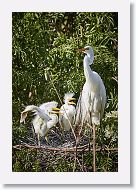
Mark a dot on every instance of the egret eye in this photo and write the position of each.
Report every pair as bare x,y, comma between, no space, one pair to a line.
87,48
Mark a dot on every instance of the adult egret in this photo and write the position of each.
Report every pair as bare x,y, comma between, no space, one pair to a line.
45,118
68,111
91,103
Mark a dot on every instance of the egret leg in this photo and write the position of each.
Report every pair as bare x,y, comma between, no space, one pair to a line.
94,148
63,136
34,135
90,135
62,133
46,135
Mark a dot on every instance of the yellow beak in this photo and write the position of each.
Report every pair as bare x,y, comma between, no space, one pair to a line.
70,99
55,109
72,103
81,50
55,112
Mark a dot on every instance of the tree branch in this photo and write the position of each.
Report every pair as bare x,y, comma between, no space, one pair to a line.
73,149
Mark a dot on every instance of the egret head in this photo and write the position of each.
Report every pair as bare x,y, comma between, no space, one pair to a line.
23,117
88,50
68,98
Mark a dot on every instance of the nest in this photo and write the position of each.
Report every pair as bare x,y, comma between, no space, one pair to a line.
59,139
62,151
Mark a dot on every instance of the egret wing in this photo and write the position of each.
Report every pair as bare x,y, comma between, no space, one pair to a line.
43,115
47,107
102,97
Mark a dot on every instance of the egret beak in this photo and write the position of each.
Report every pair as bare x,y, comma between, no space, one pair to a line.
70,99
72,103
82,49
55,110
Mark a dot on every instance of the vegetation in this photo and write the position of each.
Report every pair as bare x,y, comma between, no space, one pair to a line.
48,42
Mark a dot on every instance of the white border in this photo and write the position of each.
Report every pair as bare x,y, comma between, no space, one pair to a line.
120,177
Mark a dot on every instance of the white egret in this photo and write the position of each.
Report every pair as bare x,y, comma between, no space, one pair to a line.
68,111
91,103
45,118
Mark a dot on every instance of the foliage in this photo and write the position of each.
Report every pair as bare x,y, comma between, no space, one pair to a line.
49,41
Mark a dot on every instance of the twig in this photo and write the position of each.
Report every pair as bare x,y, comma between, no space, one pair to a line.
75,157
115,78
94,150
81,166
84,168
73,149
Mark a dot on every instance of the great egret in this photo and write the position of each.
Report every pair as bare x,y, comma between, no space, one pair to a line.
46,117
68,111
91,103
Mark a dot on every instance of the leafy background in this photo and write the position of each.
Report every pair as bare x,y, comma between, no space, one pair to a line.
49,41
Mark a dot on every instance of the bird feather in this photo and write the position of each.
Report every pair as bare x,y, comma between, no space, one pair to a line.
47,107
68,95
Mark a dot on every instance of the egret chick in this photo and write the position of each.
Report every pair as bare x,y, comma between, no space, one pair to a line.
67,110
45,118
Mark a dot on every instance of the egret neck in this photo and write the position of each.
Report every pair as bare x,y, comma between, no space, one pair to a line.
87,70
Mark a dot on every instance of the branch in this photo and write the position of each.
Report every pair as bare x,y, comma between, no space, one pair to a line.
73,149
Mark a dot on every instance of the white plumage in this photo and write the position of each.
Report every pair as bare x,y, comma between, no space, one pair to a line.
67,110
92,100
45,118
